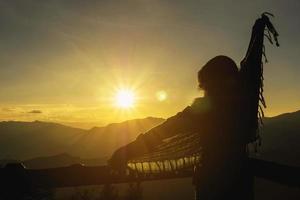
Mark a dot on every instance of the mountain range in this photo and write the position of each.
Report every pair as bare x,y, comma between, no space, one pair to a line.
43,144
28,140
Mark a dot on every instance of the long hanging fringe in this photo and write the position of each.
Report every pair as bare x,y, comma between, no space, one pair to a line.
271,34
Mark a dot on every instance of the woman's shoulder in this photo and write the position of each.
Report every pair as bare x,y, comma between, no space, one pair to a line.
201,105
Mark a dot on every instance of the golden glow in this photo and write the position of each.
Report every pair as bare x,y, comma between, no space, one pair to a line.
96,54
161,95
125,98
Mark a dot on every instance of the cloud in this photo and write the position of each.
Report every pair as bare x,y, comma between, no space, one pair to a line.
7,110
35,112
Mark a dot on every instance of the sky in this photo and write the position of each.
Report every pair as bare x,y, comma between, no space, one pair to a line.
63,61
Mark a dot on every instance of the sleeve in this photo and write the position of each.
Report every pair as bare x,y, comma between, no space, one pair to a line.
145,142
252,75
179,123
251,64
182,122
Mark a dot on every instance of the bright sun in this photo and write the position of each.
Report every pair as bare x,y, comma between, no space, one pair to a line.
125,98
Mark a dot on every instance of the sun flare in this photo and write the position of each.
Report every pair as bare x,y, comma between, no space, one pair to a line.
161,95
125,98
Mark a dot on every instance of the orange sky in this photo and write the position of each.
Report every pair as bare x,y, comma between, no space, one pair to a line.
63,61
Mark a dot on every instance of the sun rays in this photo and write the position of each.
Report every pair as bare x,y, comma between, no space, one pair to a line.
125,98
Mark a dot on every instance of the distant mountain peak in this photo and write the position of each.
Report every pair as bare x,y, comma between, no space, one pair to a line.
39,138
128,121
26,140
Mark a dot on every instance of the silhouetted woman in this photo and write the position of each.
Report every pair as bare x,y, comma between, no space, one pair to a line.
223,122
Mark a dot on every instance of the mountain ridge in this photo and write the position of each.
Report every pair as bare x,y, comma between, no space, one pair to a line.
25,140
29,140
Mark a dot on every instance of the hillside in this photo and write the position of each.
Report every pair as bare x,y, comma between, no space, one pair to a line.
102,141
26,140
281,139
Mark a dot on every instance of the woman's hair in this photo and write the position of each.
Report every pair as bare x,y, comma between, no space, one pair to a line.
219,74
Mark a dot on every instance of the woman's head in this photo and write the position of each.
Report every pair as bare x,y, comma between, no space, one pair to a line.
219,76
